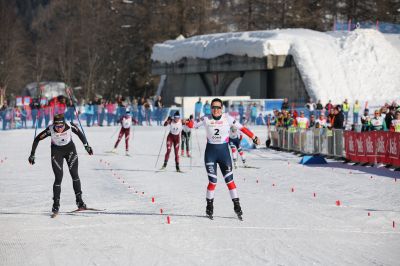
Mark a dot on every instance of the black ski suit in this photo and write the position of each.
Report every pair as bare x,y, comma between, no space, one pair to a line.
61,152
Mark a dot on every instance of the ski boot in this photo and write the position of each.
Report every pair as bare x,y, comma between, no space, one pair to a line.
178,169
114,151
164,166
244,163
210,208
127,153
79,202
55,208
188,154
235,164
237,208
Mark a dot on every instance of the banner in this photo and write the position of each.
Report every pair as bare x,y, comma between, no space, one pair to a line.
373,147
27,100
18,101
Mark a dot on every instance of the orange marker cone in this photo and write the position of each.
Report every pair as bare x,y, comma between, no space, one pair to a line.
152,199
338,203
168,220
161,211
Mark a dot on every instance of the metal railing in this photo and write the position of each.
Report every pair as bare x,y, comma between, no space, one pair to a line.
309,141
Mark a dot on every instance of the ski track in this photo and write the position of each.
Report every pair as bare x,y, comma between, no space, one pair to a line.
280,227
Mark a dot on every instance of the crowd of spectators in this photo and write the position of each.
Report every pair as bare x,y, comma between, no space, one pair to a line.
96,112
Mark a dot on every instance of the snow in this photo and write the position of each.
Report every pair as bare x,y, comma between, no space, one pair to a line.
280,227
360,64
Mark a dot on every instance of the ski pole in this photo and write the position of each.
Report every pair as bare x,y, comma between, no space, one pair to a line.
76,112
162,143
190,150
37,114
198,143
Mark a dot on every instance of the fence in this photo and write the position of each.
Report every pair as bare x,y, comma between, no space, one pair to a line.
312,141
373,147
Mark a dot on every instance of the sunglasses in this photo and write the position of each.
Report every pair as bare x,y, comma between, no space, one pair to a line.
216,107
59,125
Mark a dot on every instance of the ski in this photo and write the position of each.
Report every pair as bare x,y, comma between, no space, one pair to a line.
209,216
240,217
87,209
54,215
249,166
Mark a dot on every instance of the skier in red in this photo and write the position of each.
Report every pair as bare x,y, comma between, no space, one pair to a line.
173,139
126,123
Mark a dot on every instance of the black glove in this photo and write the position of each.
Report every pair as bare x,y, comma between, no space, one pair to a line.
256,140
89,149
31,159
169,118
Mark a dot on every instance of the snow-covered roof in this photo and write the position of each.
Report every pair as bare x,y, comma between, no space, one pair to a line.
360,64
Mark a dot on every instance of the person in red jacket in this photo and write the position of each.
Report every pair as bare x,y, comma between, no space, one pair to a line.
186,134
175,129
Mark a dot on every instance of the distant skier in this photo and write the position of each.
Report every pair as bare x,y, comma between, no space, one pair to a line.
126,123
186,135
175,128
217,152
235,137
62,147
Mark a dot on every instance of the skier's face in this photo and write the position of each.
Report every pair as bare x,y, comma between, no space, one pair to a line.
216,109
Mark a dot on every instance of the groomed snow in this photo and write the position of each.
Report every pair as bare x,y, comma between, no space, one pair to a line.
280,227
360,64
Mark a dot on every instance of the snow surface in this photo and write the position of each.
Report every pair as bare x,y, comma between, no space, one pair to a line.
360,64
280,227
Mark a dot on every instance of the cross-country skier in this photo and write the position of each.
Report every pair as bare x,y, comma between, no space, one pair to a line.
62,147
126,123
235,137
217,152
175,128
186,134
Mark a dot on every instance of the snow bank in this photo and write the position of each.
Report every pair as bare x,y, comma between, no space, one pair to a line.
360,64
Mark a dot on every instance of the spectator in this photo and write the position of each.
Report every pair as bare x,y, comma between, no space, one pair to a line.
241,112
35,105
302,121
338,119
345,108
378,122
89,113
158,110
312,121
321,121
46,112
390,116
365,121
140,111
328,108
207,109
260,120
356,110
285,104
96,113
288,121
5,115
395,123
311,106
253,113
24,115
147,112
319,108
197,109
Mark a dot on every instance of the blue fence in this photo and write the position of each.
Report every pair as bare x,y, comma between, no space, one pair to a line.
381,26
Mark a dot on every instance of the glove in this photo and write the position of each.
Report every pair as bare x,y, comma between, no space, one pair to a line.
169,118
89,149
256,140
31,159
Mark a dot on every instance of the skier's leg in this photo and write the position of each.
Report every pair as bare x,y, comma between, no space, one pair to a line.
121,133
187,143
241,153
169,146
176,150
72,161
183,138
57,165
127,135
211,168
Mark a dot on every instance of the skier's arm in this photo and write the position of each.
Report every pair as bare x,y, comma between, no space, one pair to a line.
244,129
42,135
199,122
76,130
168,121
